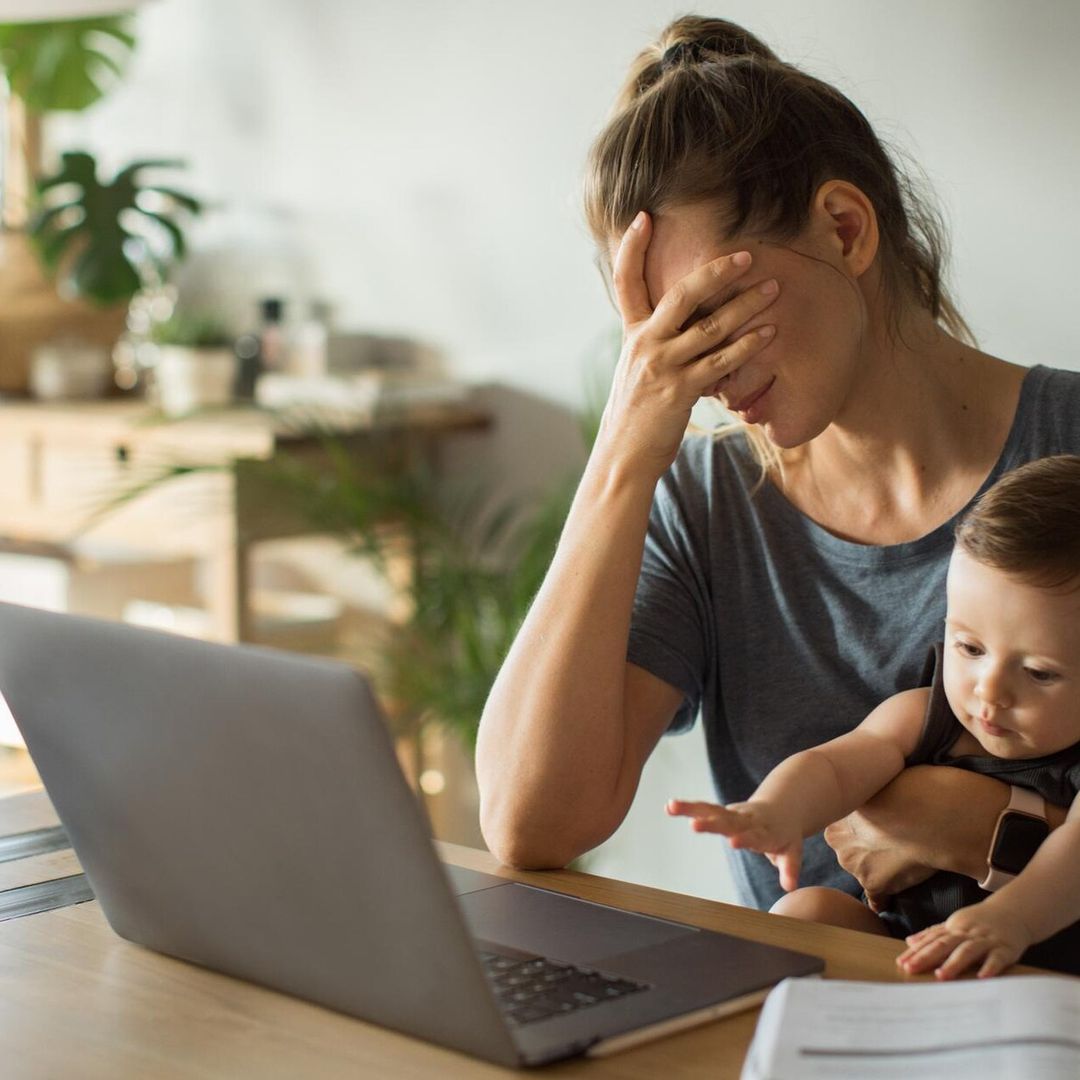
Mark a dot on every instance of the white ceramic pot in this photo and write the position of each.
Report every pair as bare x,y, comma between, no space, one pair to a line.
189,379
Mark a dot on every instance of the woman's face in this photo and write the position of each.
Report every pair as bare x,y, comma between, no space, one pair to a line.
800,382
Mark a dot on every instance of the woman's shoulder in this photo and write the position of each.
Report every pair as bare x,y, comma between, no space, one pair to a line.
1048,414
1042,375
1052,390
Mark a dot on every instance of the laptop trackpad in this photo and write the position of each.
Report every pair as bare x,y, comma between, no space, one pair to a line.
561,927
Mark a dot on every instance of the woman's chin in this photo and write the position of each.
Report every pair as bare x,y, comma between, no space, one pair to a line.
784,435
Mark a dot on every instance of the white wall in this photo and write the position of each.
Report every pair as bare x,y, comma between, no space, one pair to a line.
419,163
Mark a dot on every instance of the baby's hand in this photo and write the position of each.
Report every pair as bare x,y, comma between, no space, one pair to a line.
755,825
981,932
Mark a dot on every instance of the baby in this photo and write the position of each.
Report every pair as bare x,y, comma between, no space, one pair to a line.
1005,701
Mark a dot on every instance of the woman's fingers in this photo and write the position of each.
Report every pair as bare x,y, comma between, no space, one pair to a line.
706,289
710,370
702,337
628,272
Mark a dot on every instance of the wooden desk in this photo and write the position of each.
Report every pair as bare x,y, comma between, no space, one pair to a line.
63,463
80,1001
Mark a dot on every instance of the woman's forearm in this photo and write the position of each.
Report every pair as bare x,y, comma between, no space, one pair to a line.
931,817
551,739
560,749
958,834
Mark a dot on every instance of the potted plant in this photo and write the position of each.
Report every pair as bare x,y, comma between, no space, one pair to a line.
82,243
196,364
105,240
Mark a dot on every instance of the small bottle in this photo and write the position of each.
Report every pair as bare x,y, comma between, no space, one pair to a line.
307,357
248,366
272,343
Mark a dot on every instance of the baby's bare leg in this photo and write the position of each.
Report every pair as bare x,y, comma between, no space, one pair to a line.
817,904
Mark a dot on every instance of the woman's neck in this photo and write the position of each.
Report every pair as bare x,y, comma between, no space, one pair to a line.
915,439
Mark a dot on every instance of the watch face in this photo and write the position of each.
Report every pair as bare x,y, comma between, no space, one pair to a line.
1018,838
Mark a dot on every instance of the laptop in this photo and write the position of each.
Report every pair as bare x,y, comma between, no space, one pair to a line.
243,809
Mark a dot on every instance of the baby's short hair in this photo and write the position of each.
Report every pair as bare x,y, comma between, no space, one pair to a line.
1028,523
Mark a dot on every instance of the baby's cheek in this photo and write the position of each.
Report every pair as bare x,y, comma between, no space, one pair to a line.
956,692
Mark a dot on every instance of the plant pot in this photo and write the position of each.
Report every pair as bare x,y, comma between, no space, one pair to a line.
189,379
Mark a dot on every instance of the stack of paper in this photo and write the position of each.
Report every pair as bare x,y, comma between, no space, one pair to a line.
1022,1026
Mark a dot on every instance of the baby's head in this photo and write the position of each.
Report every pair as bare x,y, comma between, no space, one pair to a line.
1012,629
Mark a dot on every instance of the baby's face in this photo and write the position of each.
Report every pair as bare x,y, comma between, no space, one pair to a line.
1012,660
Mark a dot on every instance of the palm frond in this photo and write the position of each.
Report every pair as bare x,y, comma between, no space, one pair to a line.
477,560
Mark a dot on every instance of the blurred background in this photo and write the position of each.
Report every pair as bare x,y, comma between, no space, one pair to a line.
302,341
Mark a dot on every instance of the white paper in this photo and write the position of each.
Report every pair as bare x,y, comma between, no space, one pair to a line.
1021,1026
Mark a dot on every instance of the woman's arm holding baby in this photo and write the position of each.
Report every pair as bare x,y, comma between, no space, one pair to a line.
807,791
931,817
1043,899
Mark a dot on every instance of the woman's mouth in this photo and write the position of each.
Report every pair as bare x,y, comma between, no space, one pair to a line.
751,407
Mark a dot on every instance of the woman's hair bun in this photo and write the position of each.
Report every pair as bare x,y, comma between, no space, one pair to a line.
693,39
689,42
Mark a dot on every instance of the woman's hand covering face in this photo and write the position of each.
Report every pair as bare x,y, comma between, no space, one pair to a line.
677,352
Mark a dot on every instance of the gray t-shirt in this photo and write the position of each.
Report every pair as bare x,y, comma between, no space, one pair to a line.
779,632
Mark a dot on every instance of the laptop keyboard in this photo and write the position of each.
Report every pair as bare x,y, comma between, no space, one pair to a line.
536,988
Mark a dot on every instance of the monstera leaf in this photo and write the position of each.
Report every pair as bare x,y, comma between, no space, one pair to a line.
66,64
96,238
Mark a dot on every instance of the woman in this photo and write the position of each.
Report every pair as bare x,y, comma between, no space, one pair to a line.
787,577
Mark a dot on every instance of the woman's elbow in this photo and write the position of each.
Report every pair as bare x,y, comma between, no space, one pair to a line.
521,848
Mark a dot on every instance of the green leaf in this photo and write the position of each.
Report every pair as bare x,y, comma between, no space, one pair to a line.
65,65
53,245
105,276
76,167
101,269
43,219
176,237
188,202
129,173
477,562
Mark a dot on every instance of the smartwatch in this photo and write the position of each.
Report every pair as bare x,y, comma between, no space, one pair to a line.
1021,828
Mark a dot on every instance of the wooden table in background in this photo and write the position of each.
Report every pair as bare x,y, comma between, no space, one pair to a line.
63,463
80,1001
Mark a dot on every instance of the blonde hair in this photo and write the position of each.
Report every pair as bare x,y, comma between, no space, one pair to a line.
1028,523
710,114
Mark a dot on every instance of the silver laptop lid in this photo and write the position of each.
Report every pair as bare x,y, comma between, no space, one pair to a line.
234,807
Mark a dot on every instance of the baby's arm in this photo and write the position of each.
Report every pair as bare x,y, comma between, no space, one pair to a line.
1043,899
807,791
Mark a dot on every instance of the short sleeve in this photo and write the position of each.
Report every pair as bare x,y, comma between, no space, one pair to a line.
670,629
